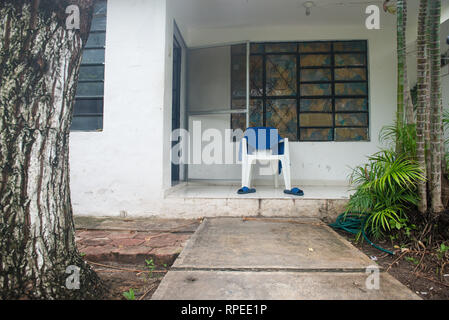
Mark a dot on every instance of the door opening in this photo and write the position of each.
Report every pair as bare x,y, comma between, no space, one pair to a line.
176,105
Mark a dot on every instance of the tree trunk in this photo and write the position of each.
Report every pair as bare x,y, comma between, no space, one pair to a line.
436,112
428,109
421,103
409,110
408,103
401,53
40,61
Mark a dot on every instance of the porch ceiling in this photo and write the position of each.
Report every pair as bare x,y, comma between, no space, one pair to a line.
198,14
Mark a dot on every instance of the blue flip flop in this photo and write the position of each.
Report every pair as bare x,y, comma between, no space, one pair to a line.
295,192
246,190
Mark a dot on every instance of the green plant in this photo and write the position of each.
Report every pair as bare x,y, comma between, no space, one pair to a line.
402,225
384,188
150,266
442,251
412,260
129,295
406,135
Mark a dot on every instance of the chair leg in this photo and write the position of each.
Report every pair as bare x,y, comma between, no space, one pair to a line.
287,177
250,174
275,170
244,168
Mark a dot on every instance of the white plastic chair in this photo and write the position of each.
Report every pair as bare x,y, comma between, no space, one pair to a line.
266,155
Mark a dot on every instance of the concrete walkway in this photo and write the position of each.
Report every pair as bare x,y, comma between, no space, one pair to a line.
246,259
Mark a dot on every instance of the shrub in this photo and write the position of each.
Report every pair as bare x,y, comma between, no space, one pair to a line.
384,188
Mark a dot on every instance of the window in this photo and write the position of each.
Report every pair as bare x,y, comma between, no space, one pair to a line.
88,111
310,91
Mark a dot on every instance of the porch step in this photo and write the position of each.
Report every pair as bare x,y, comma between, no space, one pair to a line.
326,209
194,201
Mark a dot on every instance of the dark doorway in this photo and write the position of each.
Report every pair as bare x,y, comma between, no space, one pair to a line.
176,106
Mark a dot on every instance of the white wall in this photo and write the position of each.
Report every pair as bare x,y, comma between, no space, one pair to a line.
318,162
209,79
121,167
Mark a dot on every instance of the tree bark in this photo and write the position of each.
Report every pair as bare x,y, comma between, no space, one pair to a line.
401,56
436,111
421,123
40,61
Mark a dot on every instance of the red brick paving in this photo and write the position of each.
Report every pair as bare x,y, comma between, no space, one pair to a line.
130,246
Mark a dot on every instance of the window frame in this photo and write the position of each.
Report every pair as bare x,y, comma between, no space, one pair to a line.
333,82
88,47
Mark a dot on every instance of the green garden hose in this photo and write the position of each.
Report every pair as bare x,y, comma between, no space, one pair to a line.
355,223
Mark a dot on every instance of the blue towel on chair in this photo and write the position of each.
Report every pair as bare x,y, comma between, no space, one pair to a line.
263,138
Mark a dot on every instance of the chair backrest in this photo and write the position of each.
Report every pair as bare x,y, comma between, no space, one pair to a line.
262,138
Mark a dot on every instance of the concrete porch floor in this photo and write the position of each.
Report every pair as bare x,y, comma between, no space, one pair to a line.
272,259
205,191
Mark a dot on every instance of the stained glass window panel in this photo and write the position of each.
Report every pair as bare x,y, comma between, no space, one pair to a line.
280,47
256,76
351,119
349,89
238,104
238,83
330,92
316,75
257,48
324,105
281,75
238,121
307,47
317,89
350,59
352,74
281,114
315,120
351,134
313,134
315,60
256,113
351,105
350,46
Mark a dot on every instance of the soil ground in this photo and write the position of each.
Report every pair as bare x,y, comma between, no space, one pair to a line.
119,281
421,275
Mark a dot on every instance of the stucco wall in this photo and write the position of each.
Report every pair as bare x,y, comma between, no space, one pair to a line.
121,167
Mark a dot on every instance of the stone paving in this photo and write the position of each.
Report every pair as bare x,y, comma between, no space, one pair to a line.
132,240
274,259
